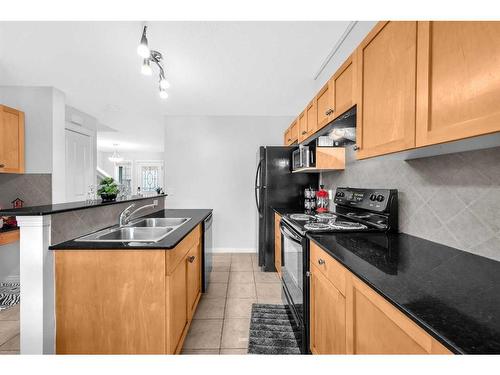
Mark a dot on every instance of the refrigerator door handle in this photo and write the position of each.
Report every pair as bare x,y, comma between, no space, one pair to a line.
257,187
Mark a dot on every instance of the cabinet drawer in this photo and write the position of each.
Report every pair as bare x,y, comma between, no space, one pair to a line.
333,270
175,255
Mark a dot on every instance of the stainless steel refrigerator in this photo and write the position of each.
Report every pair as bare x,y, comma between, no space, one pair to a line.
276,186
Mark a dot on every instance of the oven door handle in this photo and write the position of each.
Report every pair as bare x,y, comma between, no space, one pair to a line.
293,237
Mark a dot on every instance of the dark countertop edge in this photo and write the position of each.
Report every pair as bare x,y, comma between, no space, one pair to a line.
58,208
8,229
154,246
449,345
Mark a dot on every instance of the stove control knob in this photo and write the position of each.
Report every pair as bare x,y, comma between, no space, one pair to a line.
380,197
373,197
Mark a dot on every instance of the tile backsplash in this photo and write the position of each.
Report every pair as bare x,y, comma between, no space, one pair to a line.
33,189
452,199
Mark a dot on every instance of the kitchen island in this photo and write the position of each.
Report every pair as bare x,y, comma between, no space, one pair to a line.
44,229
129,298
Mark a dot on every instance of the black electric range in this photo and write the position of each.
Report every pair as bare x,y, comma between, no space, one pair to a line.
355,210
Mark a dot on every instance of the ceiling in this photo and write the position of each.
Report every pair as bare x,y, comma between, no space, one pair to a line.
214,68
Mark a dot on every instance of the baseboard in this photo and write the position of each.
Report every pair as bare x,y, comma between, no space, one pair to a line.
233,250
11,279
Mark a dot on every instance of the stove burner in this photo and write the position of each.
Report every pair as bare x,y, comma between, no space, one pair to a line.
359,216
316,226
301,217
326,216
346,225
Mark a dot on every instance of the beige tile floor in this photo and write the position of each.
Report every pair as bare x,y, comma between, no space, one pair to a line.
222,320
9,330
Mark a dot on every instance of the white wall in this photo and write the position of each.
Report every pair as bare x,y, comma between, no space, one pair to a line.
210,162
357,34
37,105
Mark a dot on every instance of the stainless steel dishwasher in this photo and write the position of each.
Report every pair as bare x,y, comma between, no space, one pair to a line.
207,250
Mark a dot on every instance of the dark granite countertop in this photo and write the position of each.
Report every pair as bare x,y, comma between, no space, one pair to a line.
49,209
452,294
169,242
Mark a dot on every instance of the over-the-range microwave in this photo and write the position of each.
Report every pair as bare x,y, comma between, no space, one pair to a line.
303,157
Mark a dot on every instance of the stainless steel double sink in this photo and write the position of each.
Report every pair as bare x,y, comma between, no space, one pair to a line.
141,230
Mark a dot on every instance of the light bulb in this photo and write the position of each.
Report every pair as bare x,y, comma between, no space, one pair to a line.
143,49
164,84
146,68
163,94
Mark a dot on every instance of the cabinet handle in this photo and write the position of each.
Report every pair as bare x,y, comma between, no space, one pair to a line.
2,165
191,259
321,261
329,111
304,132
289,139
355,147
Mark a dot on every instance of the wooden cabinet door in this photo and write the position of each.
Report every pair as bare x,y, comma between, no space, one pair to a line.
327,321
374,326
11,140
458,87
386,89
177,307
312,118
324,105
193,262
277,243
294,132
287,137
303,130
342,84
110,302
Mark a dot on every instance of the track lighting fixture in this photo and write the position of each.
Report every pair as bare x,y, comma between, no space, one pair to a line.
156,57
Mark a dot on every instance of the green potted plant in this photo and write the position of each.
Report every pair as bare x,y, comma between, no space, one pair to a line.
108,189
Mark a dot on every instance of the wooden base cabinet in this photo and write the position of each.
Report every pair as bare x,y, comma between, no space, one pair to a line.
327,305
277,243
127,302
375,326
347,316
11,140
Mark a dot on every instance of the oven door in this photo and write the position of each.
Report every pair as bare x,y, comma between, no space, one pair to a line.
292,270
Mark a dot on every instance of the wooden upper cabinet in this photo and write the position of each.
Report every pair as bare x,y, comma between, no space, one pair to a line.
374,326
386,89
11,140
342,88
302,122
324,104
327,306
294,132
287,137
312,117
458,88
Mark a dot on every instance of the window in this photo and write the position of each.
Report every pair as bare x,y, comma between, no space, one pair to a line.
149,175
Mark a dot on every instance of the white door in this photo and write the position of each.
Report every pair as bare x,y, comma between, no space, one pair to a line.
79,172
149,175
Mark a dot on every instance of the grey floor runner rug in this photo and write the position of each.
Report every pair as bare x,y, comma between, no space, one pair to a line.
273,331
9,294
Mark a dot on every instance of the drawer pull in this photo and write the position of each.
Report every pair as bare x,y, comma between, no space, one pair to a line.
355,147
304,132
2,165
321,261
191,259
